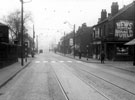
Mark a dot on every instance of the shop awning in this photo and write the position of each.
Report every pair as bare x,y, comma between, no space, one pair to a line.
132,42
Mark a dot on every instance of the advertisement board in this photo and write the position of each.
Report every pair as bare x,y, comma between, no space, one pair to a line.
124,29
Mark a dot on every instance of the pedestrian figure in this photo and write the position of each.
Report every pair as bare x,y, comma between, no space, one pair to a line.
102,55
80,54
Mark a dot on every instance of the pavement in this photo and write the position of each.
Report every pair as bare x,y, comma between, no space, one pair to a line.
124,65
9,72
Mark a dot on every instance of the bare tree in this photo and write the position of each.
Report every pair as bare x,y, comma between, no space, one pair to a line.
14,21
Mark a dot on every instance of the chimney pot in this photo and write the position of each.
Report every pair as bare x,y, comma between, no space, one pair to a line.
114,8
103,14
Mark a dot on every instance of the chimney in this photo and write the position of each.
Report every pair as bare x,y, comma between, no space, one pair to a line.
114,8
103,14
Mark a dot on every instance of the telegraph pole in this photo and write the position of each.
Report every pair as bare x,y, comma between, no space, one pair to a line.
22,44
33,51
74,40
22,48
37,42
134,36
64,43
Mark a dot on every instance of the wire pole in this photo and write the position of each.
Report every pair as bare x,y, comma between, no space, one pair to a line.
37,42
64,43
33,40
74,40
134,37
22,48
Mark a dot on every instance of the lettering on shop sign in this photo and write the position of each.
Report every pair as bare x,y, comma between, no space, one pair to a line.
124,29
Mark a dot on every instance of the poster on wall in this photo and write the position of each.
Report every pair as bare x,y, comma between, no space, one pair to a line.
124,29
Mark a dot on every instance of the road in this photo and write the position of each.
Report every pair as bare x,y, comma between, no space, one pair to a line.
54,77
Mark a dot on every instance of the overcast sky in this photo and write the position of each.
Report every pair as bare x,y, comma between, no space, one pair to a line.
49,15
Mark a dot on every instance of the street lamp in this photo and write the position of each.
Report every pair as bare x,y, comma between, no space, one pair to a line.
37,42
21,32
73,26
64,44
22,44
33,51
87,51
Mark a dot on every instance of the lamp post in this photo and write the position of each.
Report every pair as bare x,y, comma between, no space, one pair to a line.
22,44
74,40
73,26
22,63
87,51
64,40
33,51
37,42
134,36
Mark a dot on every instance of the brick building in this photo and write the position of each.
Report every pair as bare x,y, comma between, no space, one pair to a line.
113,31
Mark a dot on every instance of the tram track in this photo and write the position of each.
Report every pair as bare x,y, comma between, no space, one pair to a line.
60,85
98,89
121,90
65,93
108,82
100,78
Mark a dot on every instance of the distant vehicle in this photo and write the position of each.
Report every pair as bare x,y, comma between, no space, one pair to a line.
40,51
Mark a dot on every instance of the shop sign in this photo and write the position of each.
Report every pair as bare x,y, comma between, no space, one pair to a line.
71,42
122,50
124,29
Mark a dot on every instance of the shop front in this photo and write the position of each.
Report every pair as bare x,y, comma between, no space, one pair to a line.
116,49
96,49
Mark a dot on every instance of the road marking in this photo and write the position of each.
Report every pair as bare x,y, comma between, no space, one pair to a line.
69,61
61,61
78,61
45,61
37,61
53,61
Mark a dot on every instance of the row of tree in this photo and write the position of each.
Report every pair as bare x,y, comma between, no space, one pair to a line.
13,20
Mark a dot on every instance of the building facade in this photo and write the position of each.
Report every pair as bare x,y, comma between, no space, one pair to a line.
113,31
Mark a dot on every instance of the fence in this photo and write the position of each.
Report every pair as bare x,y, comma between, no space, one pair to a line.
8,54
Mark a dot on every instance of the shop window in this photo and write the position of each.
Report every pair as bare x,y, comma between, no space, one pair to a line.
122,50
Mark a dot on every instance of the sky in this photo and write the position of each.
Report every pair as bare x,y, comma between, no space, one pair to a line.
49,15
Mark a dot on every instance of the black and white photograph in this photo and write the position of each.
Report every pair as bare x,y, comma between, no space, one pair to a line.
67,50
